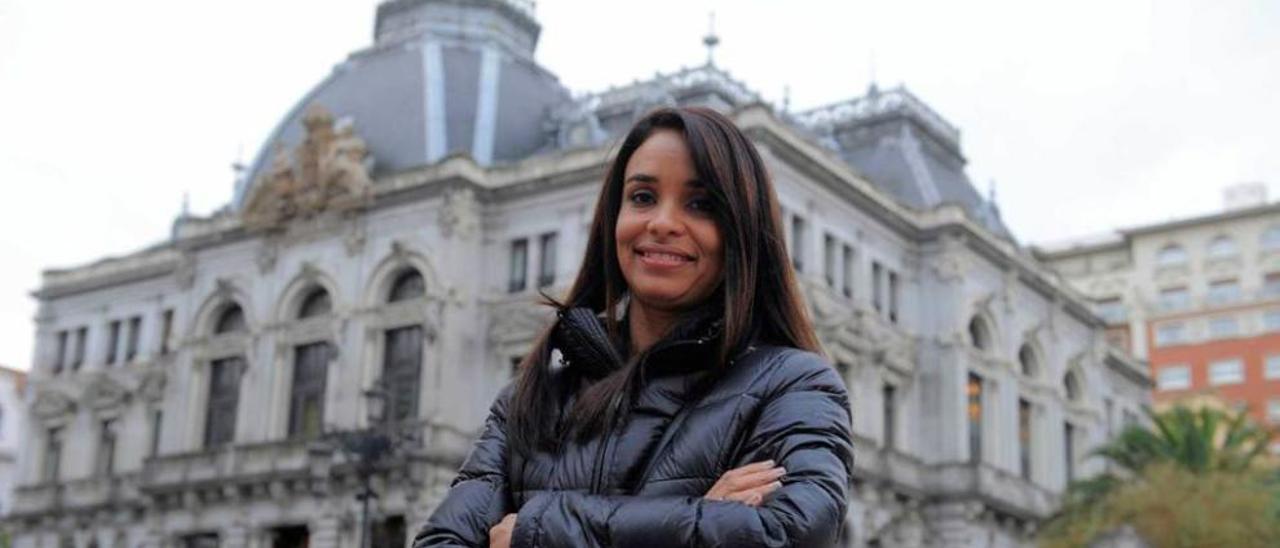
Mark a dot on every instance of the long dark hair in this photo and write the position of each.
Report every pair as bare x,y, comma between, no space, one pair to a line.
761,301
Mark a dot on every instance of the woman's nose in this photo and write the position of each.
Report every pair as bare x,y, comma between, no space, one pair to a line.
666,220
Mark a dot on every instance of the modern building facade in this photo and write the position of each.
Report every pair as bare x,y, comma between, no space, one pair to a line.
13,431
1199,298
395,233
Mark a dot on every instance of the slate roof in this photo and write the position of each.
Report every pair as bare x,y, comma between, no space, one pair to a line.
425,91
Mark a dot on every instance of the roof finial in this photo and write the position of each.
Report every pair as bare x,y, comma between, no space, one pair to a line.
786,99
872,88
186,204
711,40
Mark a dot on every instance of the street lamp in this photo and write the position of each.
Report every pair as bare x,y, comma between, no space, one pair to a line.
366,448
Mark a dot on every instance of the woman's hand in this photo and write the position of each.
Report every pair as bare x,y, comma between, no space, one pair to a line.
500,534
747,484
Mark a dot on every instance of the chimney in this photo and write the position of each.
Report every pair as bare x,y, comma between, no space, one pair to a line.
1244,196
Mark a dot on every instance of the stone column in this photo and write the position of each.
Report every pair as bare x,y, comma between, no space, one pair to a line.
325,532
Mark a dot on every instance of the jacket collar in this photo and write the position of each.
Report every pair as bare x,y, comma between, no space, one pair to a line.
586,347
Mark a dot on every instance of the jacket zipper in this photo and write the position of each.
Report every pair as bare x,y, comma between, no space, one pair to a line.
601,472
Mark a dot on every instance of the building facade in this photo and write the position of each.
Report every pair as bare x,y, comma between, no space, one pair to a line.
395,233
1199,298
13,430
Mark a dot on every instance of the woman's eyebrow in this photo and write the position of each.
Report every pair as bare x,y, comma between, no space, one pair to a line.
641,178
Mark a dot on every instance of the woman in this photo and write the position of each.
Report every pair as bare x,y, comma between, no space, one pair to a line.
677,400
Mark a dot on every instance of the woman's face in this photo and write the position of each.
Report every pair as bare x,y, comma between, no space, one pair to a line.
668,243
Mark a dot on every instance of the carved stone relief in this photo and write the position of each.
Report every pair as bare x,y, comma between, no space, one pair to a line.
327,172
50,405
460,215
104,394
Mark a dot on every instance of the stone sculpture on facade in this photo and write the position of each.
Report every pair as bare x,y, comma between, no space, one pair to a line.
328,171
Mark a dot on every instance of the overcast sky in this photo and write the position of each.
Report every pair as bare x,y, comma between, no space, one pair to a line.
1089,116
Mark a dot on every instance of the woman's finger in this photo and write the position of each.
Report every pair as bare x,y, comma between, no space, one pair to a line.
754,496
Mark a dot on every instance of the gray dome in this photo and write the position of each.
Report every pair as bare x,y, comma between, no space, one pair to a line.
427,91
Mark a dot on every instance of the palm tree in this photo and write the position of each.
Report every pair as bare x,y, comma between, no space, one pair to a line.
1184,452
1196,440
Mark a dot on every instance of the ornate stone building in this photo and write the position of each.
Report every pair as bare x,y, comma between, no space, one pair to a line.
1199,298
395,233
13,430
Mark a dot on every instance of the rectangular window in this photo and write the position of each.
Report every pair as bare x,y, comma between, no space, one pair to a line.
848,271
1271,367
106,464
401,368
889,396
1169,334
1069,450
1224,328
975,415
1271,285
157,419
1174,377
82,337
877,274
1224,292
60,359
1174,298
113,341
519,265
829,259
306,402
166,331
131,347
547,267
1229,371
893,296
1024,438
1273,411
1111,309
224,399
1271,321
49,471
797,242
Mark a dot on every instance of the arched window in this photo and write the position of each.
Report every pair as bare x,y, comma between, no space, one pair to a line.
408,285
979,334
1028,360
317,303
1171,255
1223,247
231,320
1071,385
1271,239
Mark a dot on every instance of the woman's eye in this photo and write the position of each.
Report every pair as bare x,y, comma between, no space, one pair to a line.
641,197
704,205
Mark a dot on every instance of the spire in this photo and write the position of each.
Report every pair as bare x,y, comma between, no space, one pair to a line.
711,40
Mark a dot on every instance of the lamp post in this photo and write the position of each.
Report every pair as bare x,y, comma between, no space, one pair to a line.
365,448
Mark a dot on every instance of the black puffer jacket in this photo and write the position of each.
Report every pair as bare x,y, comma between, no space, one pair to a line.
643,484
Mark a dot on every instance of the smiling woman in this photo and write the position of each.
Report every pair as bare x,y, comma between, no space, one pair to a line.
686,405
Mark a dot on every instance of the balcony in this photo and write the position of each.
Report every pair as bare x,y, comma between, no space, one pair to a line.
271,460
85,493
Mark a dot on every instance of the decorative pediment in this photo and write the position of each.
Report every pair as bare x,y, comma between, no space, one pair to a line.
328,171
105,393
51,405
